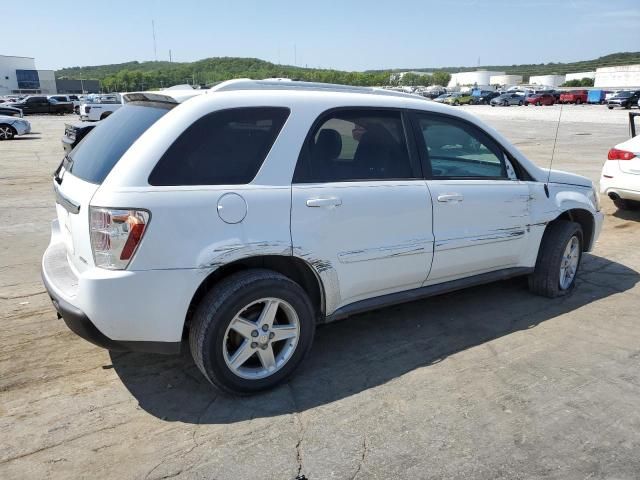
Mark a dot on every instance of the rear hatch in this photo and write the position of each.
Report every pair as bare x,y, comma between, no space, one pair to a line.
84,169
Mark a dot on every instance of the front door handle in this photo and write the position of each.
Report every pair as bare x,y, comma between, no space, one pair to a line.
450,197
324,202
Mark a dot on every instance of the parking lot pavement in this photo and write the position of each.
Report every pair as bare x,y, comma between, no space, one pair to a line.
488,383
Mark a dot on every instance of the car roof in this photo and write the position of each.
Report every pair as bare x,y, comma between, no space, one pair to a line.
286,84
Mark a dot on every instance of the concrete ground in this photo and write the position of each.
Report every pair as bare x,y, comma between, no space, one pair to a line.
487,383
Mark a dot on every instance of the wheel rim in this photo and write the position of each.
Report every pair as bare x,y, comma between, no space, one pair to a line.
569,263
261,338
5,133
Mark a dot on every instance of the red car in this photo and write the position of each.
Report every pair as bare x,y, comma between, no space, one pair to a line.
574,96
540,99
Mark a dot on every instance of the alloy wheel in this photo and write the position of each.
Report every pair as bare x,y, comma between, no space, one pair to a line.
569,263
261,338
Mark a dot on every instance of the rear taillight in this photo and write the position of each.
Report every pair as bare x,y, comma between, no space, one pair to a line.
615,154
87,109
115,235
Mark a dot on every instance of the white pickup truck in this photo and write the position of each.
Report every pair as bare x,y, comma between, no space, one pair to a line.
100,107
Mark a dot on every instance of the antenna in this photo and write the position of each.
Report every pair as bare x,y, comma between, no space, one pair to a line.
153,31
553,152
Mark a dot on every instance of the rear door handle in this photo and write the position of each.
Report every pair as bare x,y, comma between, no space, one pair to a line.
450,197
324,202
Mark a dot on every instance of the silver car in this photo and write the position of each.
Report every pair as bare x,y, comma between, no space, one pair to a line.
12,126
507,99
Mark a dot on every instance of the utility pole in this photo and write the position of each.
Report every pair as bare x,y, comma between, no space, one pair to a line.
169,55
295,55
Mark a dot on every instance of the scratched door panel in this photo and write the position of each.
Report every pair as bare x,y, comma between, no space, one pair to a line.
375,238
486,229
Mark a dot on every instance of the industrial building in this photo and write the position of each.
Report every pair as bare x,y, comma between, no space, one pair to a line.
478,78
65,85
551,81
505,80
19,75
626,76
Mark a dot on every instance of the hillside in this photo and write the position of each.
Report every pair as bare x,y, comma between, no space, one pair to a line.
210,70
141,75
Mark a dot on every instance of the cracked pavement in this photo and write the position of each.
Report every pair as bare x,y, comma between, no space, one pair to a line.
486,383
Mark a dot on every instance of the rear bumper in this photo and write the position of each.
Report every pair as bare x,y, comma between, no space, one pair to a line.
81,325
95,303
624,185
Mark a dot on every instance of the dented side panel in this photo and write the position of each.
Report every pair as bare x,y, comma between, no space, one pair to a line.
377,240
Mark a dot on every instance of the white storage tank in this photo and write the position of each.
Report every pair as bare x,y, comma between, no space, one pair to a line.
547,80
479,77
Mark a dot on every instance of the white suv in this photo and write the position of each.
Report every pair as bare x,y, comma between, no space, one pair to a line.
242,217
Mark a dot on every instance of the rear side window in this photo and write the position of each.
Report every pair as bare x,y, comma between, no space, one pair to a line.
97,153
222,148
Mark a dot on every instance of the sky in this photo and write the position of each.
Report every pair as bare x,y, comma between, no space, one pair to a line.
345,35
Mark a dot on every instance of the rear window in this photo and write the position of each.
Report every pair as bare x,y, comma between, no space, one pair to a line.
222,148
95,156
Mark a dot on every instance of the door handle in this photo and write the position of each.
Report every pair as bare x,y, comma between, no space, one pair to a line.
324,202
450,197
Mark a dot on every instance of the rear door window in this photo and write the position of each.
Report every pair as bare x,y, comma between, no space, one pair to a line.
96,155
226,147
356,145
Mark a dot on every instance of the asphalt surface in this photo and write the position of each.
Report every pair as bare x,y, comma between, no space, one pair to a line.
486,383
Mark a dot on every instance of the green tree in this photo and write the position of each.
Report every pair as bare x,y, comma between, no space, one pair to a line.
441,78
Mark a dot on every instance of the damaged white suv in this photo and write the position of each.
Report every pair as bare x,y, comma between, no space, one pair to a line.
238,219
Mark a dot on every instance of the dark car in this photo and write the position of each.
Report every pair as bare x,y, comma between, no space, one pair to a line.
5,109
484,98
74,132
540,99
42,104
625,99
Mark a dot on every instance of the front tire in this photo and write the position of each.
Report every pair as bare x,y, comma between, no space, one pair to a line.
7,132
251,331
558,260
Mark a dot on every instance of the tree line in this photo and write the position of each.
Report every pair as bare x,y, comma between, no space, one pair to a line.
153,75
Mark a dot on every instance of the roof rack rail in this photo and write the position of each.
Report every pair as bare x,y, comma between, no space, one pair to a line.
287,84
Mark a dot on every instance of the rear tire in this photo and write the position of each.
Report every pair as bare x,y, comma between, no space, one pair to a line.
104,115
561,238
520,103
622,204
240,300
578,102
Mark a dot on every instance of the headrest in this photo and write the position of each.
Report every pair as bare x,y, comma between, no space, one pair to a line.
328,145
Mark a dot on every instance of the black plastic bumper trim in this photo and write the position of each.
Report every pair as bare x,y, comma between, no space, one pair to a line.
79,323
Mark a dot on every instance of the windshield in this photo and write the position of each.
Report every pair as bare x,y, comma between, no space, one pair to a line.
96,155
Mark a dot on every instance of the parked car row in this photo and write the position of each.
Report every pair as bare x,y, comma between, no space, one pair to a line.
622,99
